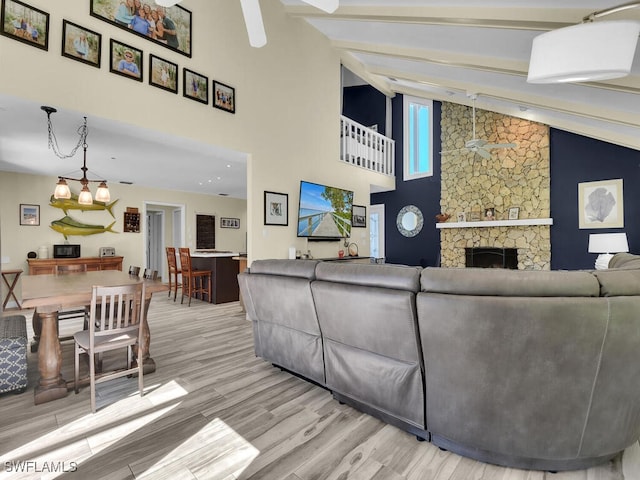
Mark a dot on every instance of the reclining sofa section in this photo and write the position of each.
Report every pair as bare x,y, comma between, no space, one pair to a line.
528,369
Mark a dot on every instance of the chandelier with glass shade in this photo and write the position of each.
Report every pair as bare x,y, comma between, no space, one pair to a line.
62,187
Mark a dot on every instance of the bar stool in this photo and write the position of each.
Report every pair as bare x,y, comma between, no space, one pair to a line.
193,281
173,271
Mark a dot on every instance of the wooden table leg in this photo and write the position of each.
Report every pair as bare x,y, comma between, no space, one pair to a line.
149,365
51,385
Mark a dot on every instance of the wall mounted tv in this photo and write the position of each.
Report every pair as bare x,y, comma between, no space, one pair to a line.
324,213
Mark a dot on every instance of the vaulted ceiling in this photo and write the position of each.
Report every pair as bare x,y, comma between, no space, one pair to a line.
446,49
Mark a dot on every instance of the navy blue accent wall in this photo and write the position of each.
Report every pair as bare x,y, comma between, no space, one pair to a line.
576,159
365,105
424,193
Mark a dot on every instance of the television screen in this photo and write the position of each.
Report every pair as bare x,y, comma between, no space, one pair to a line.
324,212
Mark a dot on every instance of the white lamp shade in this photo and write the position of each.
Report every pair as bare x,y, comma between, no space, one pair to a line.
608,243
584,52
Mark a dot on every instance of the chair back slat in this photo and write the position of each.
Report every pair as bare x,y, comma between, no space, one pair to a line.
115,309
134,270
150,274
185,261
171,259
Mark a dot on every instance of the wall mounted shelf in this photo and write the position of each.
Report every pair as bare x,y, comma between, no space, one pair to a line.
497,223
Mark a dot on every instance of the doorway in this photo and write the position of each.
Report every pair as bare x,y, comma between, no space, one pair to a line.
376,232
164,226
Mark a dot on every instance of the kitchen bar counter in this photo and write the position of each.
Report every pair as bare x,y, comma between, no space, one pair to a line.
224,274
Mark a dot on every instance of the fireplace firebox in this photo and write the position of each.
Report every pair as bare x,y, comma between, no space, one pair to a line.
491,257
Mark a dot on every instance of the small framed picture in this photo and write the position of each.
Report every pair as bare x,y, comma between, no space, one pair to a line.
29,214
81,44
125,60
461,216
359,216
25,23
195,86
229,222
224,97
276,208
490,213
514,212
163,74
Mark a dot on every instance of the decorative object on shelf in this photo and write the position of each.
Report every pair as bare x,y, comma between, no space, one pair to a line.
409,221
195,86
340,253
229,222
588,51
442,217
62,190
29,214
514,212
276,208
600,204
353,249
358,216
81,44
461,217
163,74
606,244
224,97
490,213
25,23
172,18
132,220
125,60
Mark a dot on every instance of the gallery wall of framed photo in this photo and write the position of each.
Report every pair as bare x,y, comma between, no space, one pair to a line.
169,27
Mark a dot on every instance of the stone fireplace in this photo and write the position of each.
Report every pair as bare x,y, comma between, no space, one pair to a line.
491,257
517,177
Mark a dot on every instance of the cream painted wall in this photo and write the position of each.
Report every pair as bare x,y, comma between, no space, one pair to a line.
18,240
288,103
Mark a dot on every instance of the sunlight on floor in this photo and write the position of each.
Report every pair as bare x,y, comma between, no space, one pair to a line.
63,450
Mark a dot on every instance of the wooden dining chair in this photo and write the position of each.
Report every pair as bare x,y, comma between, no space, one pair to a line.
174,271
194,282
116,322
133,270
150,274
71,313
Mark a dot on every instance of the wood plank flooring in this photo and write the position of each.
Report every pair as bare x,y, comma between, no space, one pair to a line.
212,410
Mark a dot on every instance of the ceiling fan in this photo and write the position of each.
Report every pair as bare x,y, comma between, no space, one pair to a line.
253,16
478,145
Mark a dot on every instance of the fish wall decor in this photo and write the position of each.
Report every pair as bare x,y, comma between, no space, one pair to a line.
72,204
68,226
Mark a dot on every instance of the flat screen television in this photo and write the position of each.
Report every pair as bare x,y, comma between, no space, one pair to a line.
324,213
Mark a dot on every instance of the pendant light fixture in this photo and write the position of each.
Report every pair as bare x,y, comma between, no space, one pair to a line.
588,51
62,189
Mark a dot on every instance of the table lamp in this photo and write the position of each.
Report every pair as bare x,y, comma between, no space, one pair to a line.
606,244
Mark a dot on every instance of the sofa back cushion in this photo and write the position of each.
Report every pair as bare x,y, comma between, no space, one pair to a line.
509,283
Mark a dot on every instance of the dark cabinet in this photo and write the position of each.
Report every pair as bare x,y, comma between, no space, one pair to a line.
224,274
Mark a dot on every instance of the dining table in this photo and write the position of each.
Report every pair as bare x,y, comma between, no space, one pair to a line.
48,294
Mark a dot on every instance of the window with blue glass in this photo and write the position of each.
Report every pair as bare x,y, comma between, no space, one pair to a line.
418,141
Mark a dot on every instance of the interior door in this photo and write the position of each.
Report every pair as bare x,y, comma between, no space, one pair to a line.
155,244
376,232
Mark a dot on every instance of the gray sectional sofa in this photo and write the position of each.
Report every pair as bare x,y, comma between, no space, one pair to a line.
529,369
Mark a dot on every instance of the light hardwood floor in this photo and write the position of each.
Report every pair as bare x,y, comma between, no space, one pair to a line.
212,410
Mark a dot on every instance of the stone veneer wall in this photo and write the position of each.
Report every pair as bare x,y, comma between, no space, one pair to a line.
511,177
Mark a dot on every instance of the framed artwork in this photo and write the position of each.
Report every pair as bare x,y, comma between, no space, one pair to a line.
25,23
600,204
490,213
195,86
163,74
229,222
224,97
166,26
125,60
359,216
81,44
29,214
461,217
514,213
276,208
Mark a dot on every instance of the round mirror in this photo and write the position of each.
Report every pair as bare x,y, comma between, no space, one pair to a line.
409,221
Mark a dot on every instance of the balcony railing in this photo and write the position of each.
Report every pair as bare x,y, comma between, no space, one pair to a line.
363,147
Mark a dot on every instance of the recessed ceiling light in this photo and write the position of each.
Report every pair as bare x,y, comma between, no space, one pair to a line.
228,165
223,194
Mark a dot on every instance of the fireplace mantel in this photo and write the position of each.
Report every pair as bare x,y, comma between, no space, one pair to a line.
497,223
